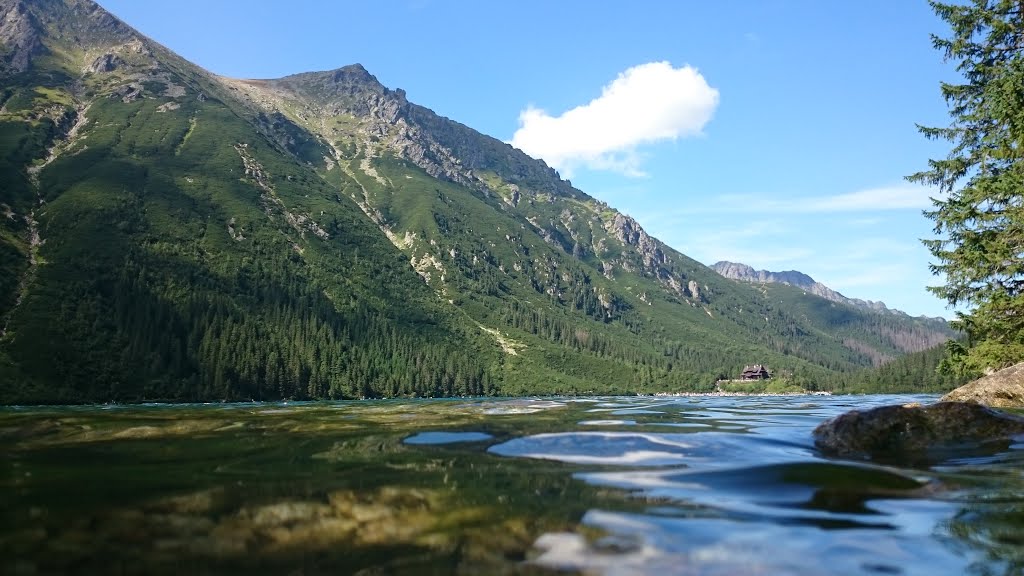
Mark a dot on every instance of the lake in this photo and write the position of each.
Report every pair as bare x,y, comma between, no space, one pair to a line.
623,485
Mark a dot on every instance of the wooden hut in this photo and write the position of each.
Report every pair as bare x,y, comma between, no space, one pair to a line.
755,372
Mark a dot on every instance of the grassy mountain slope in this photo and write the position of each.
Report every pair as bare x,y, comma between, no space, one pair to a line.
882,336
550,247
181,255
170,234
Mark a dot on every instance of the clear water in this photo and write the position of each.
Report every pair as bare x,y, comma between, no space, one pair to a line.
690,485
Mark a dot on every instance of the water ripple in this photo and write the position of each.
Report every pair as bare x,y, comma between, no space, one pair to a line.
738,488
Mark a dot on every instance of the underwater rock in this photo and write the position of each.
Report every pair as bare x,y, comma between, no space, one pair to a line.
913,429
158,429
32,430
283,514
1001,389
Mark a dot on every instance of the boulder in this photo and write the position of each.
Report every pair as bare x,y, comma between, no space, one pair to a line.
913,431
1002,389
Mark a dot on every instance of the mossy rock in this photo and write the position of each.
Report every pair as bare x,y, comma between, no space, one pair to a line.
912,432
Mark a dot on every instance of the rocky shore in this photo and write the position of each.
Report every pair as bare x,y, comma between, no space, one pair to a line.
963,420
1001,389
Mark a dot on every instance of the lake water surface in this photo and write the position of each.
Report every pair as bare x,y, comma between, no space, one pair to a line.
689,485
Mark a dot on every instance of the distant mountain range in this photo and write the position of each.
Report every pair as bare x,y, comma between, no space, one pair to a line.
745,273
170,234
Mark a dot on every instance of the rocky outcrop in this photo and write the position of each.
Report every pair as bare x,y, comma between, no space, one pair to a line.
629,232
913,431
127,93
80,23
105,63
19,37
694,289
514,196
653,259
1002,389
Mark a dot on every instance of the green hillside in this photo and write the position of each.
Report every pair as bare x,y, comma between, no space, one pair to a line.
915,372
172,235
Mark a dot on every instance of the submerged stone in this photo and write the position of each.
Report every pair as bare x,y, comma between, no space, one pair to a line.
200,502
915,430
283,513
1001,389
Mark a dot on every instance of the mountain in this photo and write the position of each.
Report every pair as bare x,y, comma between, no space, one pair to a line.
892,333
744,273
172,234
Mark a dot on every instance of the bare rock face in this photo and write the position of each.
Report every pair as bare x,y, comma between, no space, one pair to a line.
694,289
1002,389
105,63
19,37
914,430
630,233
744,273
127,93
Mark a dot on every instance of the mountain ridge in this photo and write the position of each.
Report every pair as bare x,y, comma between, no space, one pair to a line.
746,273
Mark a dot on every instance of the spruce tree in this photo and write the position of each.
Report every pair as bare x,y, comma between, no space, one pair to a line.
979,215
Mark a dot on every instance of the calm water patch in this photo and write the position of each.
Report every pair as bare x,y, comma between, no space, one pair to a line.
688,485
447,437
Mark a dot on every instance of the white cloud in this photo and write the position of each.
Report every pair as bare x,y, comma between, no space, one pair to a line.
882,199
899,197
645,104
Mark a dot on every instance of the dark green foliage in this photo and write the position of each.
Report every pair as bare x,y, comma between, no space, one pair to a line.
19,143
980,218
879,337
916,372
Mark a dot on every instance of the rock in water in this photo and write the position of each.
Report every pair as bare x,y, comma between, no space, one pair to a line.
914,430
1002,389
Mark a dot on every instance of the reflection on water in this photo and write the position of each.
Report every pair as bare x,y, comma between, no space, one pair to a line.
693,485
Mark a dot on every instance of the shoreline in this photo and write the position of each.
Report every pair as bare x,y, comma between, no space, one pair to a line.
723,393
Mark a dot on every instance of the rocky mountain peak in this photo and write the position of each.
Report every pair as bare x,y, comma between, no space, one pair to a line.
344,90
738,271
29,29
745,273
353,73
440,146
376,121
387,121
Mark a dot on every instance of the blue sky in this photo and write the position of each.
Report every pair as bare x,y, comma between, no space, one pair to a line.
770,132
